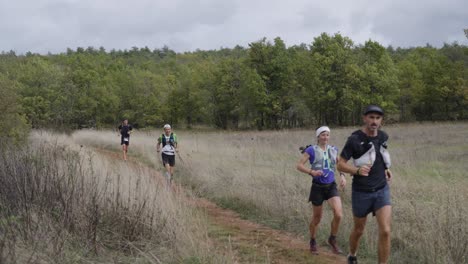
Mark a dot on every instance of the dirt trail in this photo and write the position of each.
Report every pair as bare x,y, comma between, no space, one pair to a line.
249,242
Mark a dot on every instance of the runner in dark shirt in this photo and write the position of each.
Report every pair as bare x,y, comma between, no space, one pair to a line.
125,130
370,191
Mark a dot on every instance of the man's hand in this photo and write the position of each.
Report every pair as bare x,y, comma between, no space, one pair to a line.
363,170
342,181
388,175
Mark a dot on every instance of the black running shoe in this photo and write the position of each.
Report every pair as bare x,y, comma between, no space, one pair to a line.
313,247
334,246
352,259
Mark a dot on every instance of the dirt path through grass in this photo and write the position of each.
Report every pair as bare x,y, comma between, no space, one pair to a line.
246,241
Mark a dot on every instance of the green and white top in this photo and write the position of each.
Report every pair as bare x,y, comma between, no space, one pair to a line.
168,143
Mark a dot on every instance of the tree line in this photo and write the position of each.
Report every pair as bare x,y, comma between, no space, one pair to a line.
263,86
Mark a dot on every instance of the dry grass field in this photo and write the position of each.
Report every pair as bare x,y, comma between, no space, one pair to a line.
252,173
65,203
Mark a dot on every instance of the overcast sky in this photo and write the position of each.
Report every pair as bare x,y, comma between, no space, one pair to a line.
54,25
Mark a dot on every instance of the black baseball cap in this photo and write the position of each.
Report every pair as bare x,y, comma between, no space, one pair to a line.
373,109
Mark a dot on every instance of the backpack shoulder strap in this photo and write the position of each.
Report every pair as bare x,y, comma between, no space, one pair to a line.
383,137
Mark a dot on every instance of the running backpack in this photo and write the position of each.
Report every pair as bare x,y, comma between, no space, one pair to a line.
302,149
367,150
171,140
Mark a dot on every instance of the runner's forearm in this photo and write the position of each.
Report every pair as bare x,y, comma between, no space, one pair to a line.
300,165
344,167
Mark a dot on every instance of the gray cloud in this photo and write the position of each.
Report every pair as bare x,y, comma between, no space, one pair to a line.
183,25
431,22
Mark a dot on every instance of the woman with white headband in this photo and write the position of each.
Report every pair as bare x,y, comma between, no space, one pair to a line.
323,158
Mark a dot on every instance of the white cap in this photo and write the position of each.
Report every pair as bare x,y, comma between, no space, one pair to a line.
167,126
321,129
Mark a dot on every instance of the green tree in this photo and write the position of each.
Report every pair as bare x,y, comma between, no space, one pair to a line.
238,95
379,83
266,85
411,88
444,93
13,124
272,63
338,90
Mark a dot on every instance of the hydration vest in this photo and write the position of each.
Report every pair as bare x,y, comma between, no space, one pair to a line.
367,152
171,140
329,155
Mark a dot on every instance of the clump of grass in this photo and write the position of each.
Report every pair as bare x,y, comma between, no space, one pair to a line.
61,202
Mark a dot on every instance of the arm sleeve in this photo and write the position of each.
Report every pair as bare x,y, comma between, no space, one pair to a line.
175,138
347,152
130,127
311,152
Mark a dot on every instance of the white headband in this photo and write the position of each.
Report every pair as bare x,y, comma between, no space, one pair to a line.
322,129
167,126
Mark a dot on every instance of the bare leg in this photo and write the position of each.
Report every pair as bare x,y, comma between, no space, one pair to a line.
317,216
124,149
356,233
335,203
168,175
384,219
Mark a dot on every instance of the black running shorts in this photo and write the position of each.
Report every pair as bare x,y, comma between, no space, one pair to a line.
124,140
320,193
168,159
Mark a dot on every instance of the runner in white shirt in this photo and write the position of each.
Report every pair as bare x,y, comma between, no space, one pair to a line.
168,141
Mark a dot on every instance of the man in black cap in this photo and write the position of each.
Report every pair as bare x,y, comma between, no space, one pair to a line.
370,191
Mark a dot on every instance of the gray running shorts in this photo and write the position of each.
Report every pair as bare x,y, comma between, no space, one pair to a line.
369,202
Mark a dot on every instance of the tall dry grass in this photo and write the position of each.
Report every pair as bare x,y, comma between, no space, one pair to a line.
254,174
64,203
